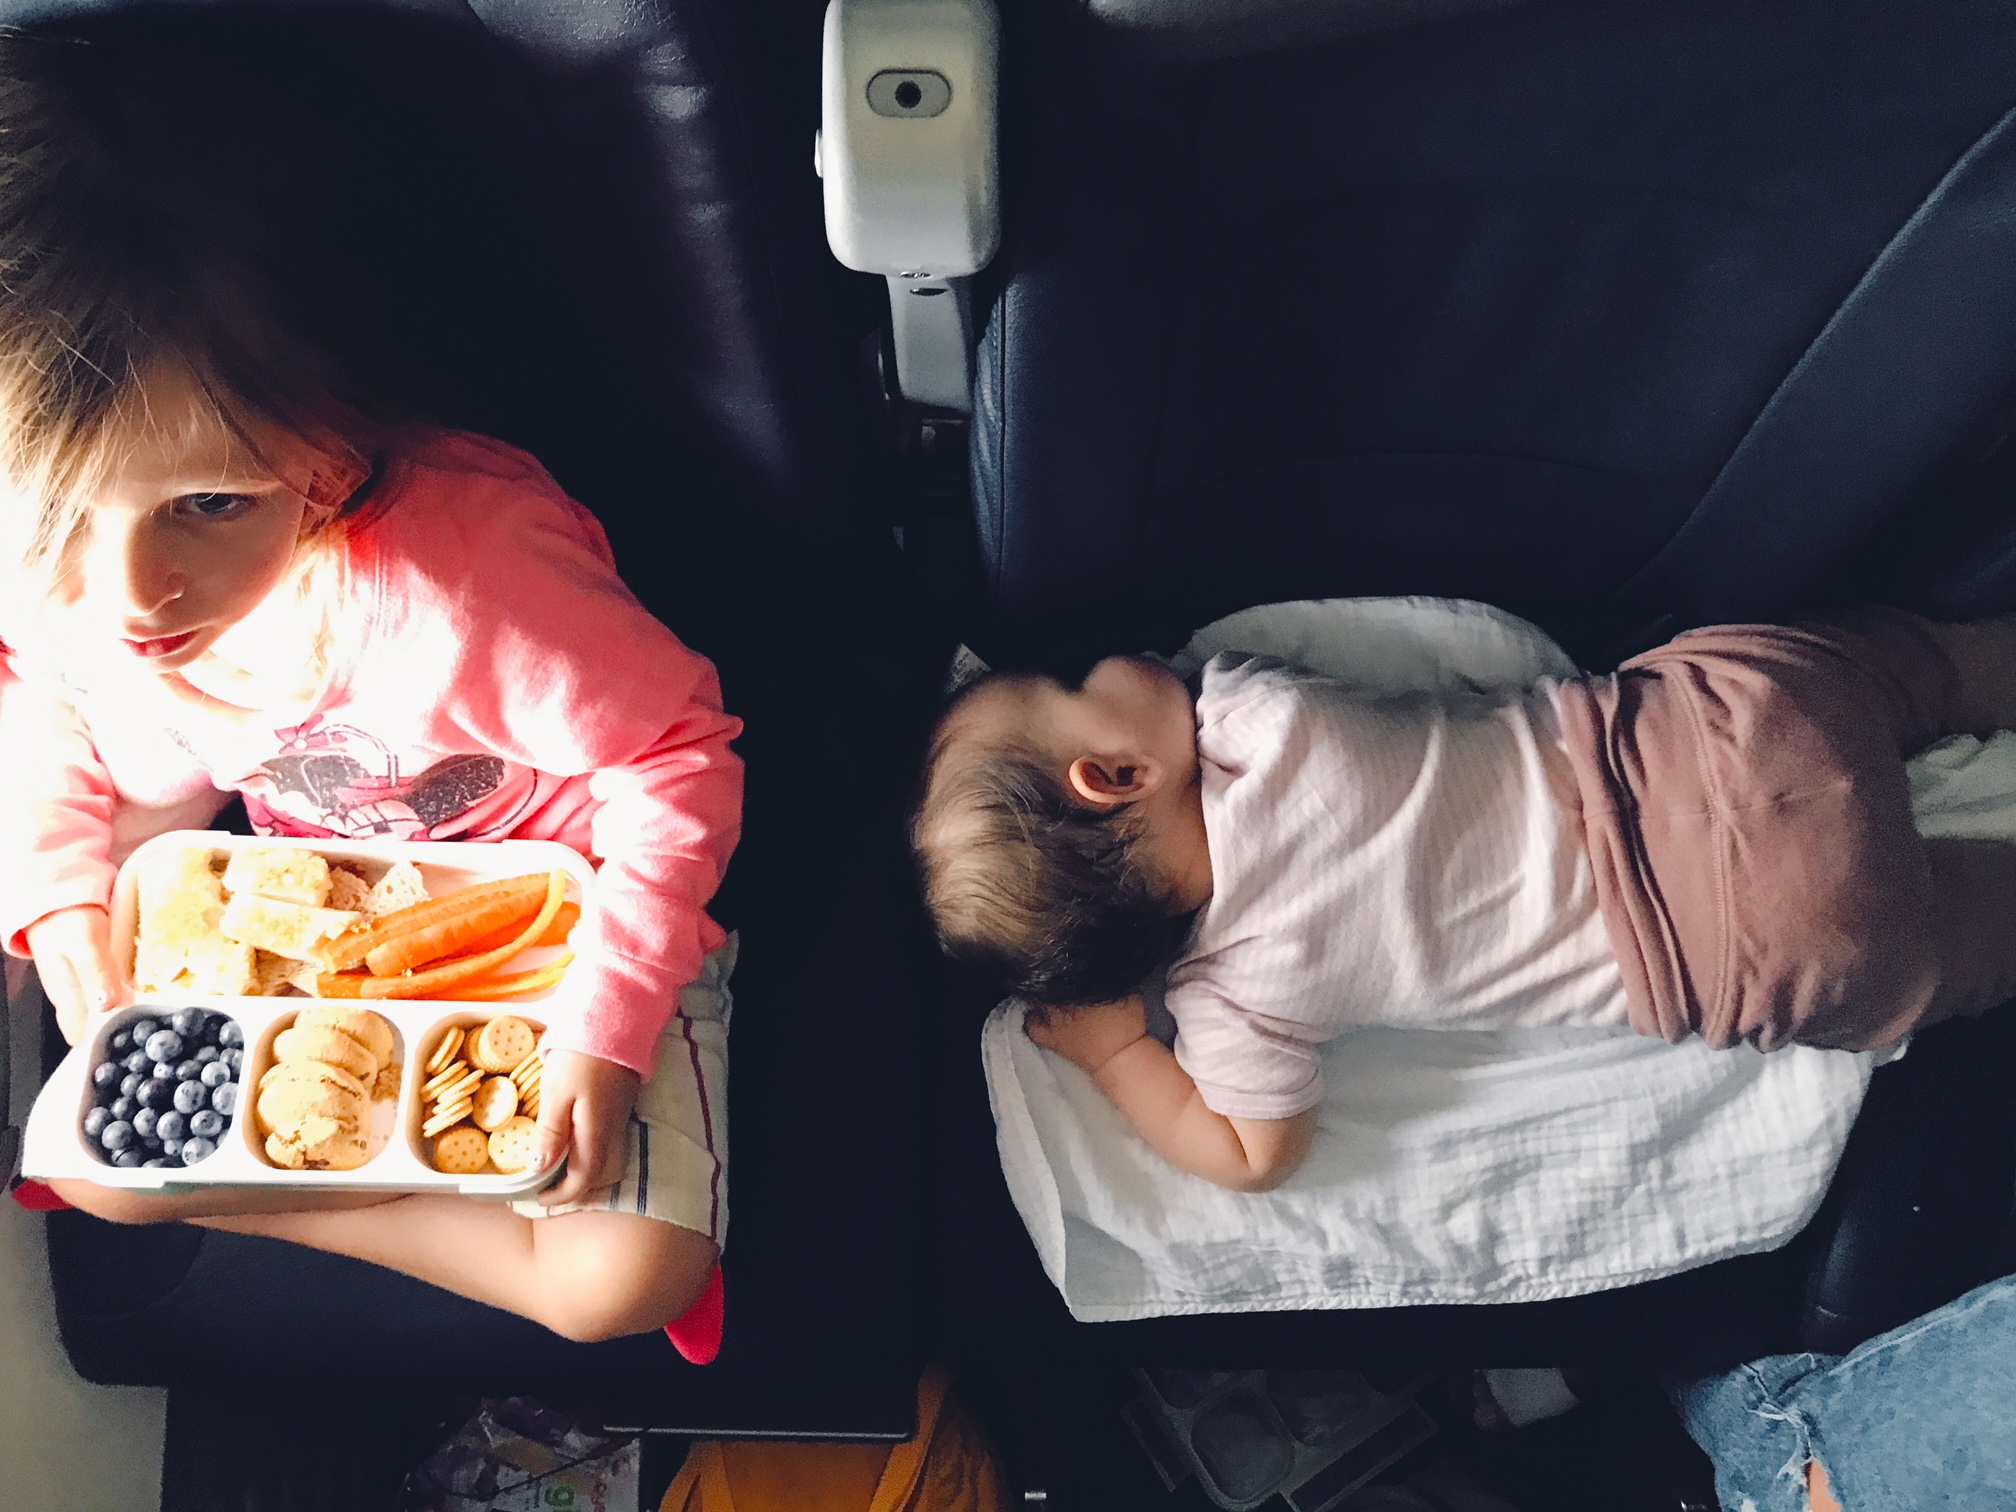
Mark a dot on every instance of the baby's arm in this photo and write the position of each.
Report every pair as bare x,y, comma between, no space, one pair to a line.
1111,1044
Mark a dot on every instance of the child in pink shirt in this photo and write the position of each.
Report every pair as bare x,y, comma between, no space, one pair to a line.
222,578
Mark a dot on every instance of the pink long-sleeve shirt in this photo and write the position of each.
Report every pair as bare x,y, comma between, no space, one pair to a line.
485,675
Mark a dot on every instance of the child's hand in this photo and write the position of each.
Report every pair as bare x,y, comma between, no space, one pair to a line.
584,1115
73,957
1090,1037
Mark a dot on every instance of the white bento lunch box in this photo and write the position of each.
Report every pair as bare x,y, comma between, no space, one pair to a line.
55,1145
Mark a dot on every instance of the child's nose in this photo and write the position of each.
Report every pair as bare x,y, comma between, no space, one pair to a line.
131,569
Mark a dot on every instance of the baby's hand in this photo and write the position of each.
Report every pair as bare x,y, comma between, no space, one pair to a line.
584,1115
73,957
1090,1037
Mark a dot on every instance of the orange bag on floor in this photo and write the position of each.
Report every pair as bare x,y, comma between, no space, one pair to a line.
947,1467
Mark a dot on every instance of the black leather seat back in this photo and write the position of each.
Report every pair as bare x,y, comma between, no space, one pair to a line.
1620,317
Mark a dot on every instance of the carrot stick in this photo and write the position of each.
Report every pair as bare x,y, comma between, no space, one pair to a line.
451,933
556,933
515,984
434,982
350,948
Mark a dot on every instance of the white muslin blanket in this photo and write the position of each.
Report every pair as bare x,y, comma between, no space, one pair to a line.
1452,1167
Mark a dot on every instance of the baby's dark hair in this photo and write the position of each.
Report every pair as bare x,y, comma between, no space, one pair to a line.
1045,894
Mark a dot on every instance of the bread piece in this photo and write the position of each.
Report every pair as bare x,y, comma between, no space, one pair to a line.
287,929
180,902
347,889
400,887
290,876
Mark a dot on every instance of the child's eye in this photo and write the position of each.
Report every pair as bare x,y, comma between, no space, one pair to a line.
214,506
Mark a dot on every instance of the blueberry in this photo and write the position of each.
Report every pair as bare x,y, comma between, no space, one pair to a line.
225,1099
140,1028
188,1070
116,1135
215,1074
172,1125
164,1045
124,1107
235,1059
230,1036
144,1121
194,1150
189,1096
154,1163
206,1055
131,1083
207,1124
137,1061
187,1022
129,1159
172,1149
119,1044
155,1093
107,1074
95,1121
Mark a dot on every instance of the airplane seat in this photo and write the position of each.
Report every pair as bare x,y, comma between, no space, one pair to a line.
578,227
1626,320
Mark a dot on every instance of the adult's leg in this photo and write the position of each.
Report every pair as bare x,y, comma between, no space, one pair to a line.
1917,1417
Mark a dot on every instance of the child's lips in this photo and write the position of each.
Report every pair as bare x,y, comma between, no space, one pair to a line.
159,646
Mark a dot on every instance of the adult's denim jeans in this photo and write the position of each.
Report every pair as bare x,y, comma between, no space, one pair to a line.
1921,1417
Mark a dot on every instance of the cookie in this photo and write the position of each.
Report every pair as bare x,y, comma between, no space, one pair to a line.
446,1116
367,1028
502,1044
511,1147
493,1103
462,1151
444,1053
529,1071
313,1073
332,1047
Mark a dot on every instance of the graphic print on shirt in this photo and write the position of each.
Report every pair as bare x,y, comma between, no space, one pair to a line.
334,780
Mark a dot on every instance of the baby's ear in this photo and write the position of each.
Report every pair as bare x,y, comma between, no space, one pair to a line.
1110,782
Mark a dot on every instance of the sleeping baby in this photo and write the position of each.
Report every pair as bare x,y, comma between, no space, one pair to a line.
1717,840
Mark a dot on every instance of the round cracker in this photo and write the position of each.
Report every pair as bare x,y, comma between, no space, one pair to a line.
461,1151
511,1146
444,1117
450,1074
529,1070
459,1089
444,1053
503,1043
493,1103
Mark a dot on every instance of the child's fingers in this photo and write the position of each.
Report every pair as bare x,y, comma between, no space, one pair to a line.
551,1136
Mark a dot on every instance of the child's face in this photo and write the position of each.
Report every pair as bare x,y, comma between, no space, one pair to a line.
187,538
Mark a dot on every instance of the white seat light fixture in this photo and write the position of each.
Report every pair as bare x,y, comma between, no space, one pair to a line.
906,148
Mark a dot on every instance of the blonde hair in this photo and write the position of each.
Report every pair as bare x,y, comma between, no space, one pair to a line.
1049,897
119,265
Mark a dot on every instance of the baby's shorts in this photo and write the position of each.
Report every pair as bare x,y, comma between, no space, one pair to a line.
677,1170
1748,817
